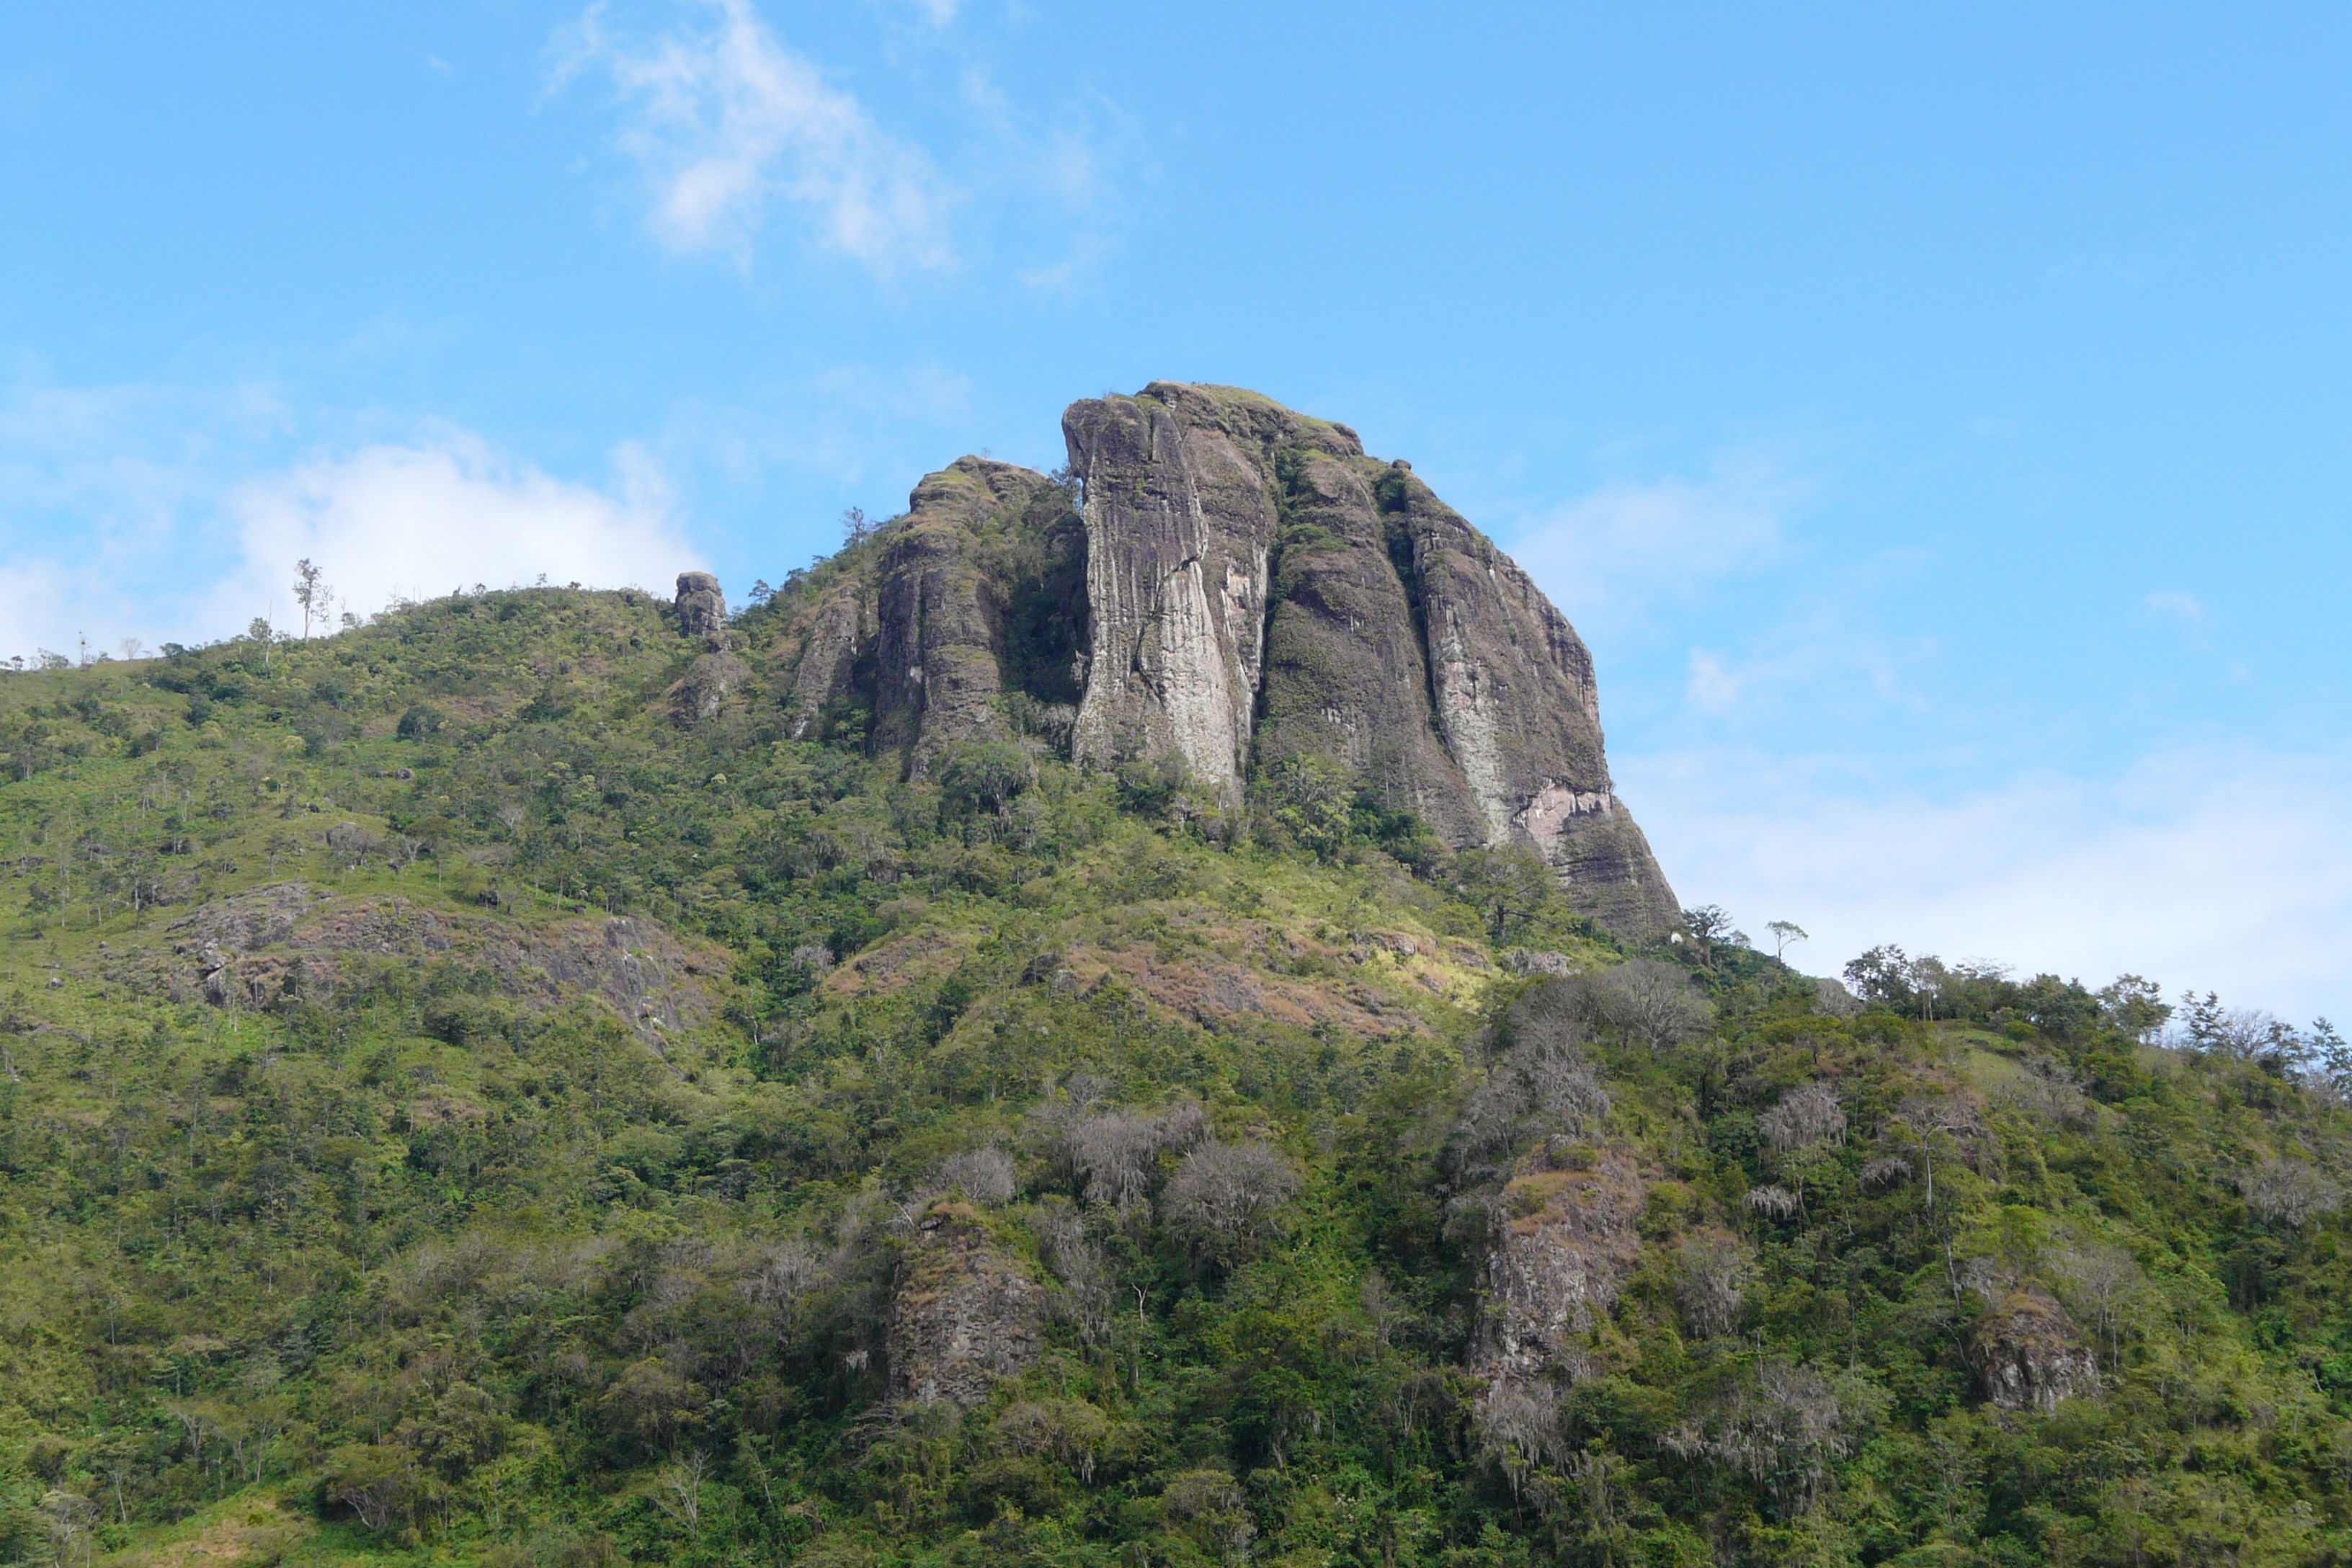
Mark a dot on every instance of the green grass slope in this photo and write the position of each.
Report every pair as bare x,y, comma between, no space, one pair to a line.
451,1113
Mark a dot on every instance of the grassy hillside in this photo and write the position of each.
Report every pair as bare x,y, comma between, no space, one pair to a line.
452,1111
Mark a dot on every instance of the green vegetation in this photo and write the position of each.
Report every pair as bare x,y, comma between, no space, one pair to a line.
451,1113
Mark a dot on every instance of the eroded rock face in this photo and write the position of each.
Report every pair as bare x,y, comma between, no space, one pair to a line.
1348,673
703,609
713,676
2029,1355
939,645
831,642
1565,1245
706,686
964,1312
1244,585
252,948
1180,525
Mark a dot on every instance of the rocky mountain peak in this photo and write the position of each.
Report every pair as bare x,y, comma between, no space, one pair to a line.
1235,585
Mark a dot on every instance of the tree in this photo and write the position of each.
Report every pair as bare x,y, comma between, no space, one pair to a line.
1881,974
2335,1057
1711,1274
1806,1115
854,529
2204,1018
1710,926
1653,1002
2133,1005
678,1489
318,600
1225,1194
1785,935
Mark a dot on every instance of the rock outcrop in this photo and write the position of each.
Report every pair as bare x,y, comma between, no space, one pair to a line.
716,672
964,1312
253,948
1566,1245
939,646
2029,1355
1243,584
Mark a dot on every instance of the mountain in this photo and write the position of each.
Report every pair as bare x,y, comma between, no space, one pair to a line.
1241,587
1082,1029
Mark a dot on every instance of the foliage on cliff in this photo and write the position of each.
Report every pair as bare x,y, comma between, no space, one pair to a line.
453,1110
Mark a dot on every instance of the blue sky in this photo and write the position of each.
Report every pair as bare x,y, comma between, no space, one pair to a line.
1935,416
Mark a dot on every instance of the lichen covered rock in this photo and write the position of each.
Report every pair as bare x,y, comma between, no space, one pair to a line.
703,609
1564,1244
940,649
2029,1355
965,1311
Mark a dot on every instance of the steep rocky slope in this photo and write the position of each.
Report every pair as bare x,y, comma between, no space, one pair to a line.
1234,584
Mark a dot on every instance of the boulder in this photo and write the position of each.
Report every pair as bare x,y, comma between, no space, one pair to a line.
1564,1246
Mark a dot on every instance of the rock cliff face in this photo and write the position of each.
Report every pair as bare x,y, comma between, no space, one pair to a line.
1563,1252
2029,1356
1243,585
715,674
964,1312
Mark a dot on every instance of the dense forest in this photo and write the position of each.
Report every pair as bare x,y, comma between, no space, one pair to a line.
464,1100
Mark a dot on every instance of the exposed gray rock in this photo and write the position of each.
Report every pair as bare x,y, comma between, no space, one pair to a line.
1181,523
1244,585
2029,1355
939,646
964,1312
251,948
830,644
713,676
1564,1247
703,609
703,691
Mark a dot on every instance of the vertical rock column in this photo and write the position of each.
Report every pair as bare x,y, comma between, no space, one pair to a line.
1180,528
715,674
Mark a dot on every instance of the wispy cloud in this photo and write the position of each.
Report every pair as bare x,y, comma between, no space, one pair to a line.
176,510
1612,552
2228,869
393,521
726,124
2183,606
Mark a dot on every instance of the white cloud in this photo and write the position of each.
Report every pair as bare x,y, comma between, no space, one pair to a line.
414,521
32,594
2227,869
2164,602
725,123
1711,688
1608,552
